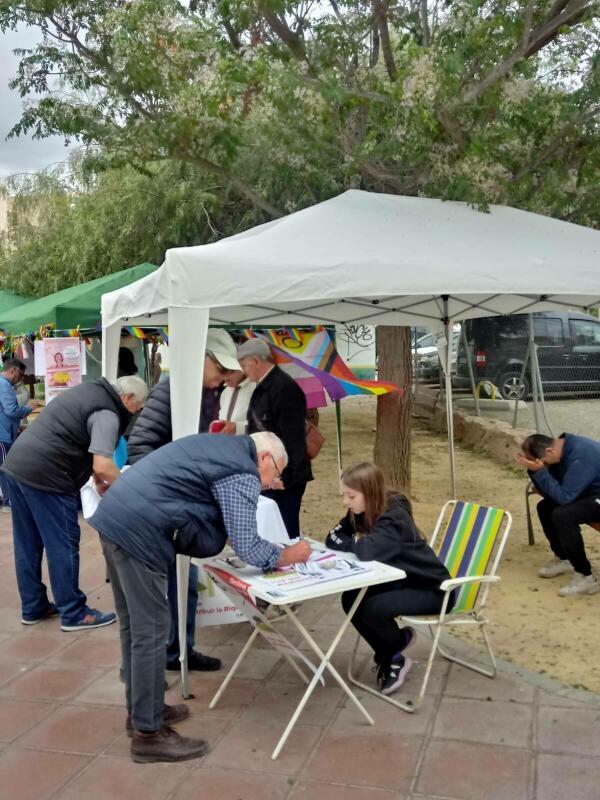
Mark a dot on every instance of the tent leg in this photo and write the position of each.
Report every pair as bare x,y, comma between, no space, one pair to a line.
447,366
188,329
463,336
450,417
111,338
535,364
522,378
338,414
534,383
338,434
183,577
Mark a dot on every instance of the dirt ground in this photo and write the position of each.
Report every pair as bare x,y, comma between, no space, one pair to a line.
531,625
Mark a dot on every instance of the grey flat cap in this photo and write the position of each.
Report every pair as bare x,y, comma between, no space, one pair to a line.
257,348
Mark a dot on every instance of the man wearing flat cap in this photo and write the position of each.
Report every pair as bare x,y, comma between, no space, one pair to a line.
278,405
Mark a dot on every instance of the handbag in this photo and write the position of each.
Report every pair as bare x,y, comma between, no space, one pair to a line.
314,440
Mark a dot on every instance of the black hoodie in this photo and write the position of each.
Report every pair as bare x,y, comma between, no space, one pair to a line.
394,540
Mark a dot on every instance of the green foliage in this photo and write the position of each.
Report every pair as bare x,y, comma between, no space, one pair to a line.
276,104
67,227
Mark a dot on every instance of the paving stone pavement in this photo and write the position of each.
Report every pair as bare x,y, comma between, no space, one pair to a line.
518,737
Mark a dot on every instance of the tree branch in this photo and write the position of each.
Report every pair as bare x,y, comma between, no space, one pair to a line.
243,188
381,17
452,128
557,146
563,14
538,38
423,12
527,23
374,56
291,40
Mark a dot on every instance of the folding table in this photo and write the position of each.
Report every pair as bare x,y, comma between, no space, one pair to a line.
244,588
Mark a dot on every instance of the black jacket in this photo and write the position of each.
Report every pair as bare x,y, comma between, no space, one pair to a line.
52,453
278,405
394,540
152,428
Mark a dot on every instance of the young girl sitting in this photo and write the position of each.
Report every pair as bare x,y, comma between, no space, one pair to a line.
379,527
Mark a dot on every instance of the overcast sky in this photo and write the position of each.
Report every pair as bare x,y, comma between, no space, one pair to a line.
23,154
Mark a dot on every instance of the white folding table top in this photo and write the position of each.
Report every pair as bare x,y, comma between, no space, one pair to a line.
378,573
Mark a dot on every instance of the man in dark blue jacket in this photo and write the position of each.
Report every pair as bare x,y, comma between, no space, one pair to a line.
566,472
186,498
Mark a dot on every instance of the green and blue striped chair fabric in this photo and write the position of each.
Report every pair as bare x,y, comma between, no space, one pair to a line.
466,547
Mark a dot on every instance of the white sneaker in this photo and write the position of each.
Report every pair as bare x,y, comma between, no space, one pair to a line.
557,566
580,584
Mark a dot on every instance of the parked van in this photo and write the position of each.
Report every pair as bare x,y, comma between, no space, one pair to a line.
568,353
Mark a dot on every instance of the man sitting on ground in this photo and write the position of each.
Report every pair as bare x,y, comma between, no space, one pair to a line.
566,472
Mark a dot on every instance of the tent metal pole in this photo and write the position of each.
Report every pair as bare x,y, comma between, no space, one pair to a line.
448,384
536,366
521,379
534,384
185,325
338,411
338,437
463,336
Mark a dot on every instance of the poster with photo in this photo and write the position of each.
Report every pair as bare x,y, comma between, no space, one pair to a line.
62,360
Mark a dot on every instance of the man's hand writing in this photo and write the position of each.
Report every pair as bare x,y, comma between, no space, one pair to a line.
294,554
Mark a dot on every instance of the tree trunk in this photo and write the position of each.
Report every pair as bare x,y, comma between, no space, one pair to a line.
394,413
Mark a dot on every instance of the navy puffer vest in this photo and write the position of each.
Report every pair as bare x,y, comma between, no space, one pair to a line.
171,490
52,453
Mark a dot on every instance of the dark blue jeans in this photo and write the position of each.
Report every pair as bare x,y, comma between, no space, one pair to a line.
192,603
375,617
4,448
44,521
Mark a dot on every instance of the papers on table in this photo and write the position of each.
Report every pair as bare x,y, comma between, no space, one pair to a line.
321,568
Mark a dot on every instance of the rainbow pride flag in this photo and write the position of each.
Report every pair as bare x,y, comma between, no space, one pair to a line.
315,352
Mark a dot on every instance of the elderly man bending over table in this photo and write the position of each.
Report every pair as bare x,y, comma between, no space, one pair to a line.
187,498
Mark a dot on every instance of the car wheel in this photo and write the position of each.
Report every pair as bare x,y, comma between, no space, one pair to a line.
510,386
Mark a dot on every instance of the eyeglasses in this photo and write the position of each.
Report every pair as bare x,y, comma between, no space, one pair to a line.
277,472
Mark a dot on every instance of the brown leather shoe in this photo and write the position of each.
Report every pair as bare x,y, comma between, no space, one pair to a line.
172,715
165,745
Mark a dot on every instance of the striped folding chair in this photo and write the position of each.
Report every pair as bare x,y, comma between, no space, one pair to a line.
469,539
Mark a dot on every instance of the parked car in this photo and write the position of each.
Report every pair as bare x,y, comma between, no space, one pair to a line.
426,358
568,353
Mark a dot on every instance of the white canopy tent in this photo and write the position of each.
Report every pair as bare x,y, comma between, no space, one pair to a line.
360,257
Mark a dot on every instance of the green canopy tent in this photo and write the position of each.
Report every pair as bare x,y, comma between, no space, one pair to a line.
8,302
76,306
